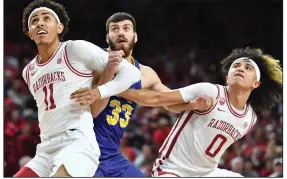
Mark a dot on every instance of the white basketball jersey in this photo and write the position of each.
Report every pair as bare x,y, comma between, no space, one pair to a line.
51,84
198,139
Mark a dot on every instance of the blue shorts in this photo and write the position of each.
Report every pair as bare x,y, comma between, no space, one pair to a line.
117,166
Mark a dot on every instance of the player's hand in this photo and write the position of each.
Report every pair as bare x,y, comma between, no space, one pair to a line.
202,102
86,96
115,58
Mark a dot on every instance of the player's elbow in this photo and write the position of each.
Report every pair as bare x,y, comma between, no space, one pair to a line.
95,114
96,109
154,100
169,108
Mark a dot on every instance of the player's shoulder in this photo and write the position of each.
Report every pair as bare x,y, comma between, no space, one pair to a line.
146,70
210,86
28,67
31,64
83,46
252,113
72,43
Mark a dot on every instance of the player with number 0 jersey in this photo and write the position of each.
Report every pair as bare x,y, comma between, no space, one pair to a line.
200,137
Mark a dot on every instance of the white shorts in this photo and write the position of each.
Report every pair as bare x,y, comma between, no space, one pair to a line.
163,168
217,172
72,150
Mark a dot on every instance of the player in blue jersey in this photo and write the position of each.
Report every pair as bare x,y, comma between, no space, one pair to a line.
112,115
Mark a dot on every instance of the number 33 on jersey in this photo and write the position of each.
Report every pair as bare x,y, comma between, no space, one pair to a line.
118,108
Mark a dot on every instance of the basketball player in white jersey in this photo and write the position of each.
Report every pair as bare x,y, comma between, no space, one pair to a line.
68,145
199,138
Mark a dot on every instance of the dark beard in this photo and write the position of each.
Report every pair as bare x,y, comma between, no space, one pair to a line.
127,49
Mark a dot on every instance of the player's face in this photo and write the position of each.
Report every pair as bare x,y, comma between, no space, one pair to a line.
121,36
44,28
243,74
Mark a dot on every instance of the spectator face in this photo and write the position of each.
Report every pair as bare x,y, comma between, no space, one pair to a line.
248,166
15,115
237,165
278,168
146,150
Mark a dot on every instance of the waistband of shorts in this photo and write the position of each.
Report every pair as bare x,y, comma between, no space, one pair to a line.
47,137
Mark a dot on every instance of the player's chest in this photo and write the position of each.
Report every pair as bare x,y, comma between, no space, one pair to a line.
47,76
222,120
37,71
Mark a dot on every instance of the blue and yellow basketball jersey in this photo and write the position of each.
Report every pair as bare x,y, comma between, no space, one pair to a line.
111,123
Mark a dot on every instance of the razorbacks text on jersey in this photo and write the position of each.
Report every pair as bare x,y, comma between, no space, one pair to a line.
109,127
198,139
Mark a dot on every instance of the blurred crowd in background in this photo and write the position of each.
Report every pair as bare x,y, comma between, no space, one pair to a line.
183,41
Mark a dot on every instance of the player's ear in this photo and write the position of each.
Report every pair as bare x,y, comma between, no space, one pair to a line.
29,35
60,28
107,38
226,79
256,84
136,38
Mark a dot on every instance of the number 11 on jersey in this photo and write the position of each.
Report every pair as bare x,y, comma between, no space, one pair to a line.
49,92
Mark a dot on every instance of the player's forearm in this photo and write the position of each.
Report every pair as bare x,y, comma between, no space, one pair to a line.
151,98
126,76
98,106
177,108
154,98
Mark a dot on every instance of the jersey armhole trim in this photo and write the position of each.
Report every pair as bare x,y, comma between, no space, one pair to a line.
252,122
27,74
72,68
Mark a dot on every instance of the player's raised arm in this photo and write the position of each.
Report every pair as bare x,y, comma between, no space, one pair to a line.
99,79
95,59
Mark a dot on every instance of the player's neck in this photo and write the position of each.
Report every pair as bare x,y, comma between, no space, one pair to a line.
129,58
46,51
237,97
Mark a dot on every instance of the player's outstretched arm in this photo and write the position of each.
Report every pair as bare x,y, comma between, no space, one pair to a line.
190,106
153,98
198,96
150,80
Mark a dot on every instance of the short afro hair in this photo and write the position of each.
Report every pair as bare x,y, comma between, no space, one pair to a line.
120,16
56,7
271,88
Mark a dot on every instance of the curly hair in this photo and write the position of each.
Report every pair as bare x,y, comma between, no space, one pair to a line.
271,88
120,16
56,7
